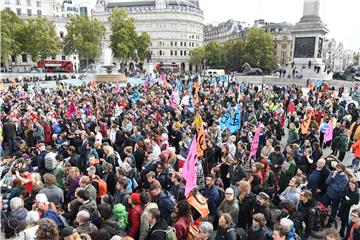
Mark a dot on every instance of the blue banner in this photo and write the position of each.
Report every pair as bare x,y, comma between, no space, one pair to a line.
213,81
136,96
319,83
223,78
179,86
225,119
234,123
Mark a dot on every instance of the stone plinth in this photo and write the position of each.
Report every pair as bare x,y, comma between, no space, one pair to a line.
113,77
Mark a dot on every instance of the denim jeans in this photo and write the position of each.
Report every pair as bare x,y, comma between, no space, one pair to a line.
355,163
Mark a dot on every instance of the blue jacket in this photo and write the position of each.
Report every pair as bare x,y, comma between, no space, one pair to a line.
166,204
336,185
212,194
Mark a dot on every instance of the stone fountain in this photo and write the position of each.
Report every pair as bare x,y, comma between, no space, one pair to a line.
108,75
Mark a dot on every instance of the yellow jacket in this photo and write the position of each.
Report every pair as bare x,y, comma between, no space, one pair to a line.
356,134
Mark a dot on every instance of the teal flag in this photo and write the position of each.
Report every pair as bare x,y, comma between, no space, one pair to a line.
234,123
136,96
225,119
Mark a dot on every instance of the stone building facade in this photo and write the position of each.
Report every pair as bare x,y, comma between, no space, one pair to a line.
175,28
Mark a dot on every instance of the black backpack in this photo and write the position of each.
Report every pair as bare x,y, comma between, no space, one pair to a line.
221,195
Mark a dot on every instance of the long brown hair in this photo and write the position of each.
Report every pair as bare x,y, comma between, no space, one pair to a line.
245,188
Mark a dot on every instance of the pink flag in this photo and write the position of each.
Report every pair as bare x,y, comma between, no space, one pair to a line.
189,169
117,88
145,86
163,78
255,142
173,101
329,131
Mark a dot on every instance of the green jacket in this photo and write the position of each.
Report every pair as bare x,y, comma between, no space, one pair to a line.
231,208
293,137
286,176
59,174
343,142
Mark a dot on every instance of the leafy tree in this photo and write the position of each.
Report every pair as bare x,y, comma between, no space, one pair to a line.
143,43
123,37
84,37
259,49
233,54
40,39
10,26
214,54
198,56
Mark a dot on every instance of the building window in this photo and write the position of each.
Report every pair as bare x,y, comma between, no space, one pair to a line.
61,34
171,52
184,44
7,1
63,57
24,57
181,44
160,53
28,2
175,43
175,53
29,12
13,58
39,13
171,43
18,11
38,3
18,2
74,57
184,53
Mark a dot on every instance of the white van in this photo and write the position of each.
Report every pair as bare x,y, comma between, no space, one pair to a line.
218,72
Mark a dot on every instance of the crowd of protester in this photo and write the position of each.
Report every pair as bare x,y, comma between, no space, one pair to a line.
105,162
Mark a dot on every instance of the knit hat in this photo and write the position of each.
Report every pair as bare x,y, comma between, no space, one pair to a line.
135,198
67,231
262,196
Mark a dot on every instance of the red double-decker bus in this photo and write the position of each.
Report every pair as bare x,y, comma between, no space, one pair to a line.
167,68
53,66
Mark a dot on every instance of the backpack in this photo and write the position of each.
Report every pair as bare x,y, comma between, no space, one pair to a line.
240,233
193,233
221,195
55,217
50,161
102,190
121,215
170,233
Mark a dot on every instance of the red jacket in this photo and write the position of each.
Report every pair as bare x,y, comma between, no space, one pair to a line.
134,221
356,148
181,226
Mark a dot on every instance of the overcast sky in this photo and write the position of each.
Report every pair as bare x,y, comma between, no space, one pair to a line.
341,17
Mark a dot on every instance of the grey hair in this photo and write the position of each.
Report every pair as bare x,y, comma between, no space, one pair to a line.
83,216
16,203
32,217
207,228
286,224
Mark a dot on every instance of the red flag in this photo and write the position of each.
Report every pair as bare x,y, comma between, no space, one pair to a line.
189,169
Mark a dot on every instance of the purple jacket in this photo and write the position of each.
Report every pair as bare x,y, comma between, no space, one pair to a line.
74,183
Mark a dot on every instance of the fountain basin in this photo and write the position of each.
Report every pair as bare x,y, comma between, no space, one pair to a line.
109,76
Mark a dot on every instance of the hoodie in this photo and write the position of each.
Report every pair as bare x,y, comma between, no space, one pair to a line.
15,222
